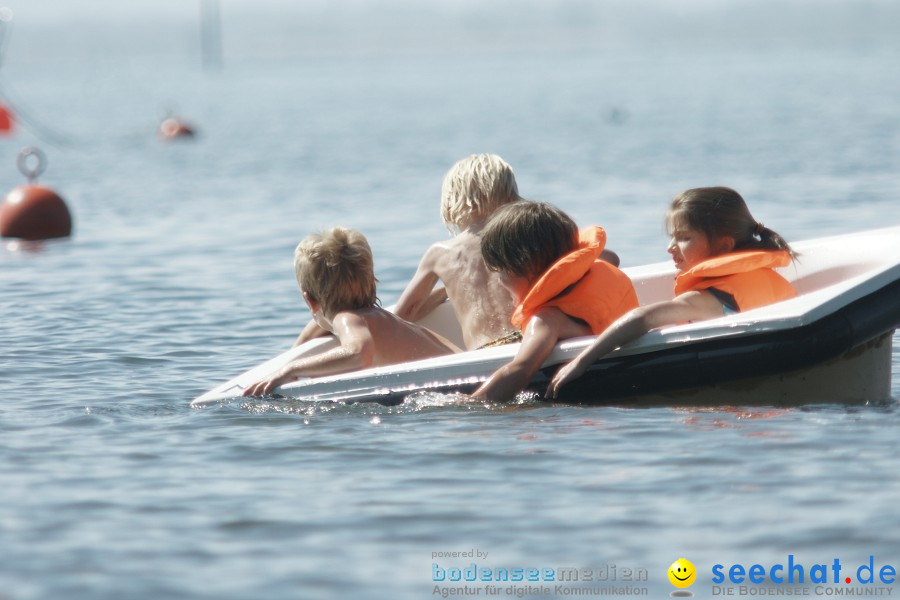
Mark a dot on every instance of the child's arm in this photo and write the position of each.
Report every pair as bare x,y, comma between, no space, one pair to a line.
543,331
419,298
357,351
691,306
311,331
437,297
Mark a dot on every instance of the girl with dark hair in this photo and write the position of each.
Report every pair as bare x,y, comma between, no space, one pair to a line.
726,261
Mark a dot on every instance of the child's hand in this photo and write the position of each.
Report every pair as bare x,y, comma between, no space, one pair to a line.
567,373
266,386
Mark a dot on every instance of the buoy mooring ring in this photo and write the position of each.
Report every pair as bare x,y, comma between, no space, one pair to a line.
34,212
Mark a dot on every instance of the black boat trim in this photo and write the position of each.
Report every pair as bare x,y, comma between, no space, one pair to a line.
706,363
702,364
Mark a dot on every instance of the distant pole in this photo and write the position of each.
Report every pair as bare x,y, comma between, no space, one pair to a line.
211,34
6,16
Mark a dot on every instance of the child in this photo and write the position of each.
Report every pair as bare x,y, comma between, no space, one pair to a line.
336,275
561,287
473,189
725,261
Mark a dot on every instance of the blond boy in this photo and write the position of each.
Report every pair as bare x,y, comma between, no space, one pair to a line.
473,189
335,272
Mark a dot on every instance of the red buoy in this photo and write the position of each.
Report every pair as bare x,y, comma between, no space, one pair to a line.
34,212
7,123
173,128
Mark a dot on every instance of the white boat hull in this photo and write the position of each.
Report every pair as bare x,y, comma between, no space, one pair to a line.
831,343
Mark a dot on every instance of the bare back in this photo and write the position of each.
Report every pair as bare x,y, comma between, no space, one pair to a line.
394,339
368,337
483,306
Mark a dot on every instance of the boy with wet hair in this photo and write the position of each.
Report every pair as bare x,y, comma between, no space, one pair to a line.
335,271
561,286
472,190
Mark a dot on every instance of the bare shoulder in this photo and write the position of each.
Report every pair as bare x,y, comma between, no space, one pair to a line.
550,320
447,256
690,306
439,249
351,320
701,301
375,318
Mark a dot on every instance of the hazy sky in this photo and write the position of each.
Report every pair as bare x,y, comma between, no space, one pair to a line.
273,28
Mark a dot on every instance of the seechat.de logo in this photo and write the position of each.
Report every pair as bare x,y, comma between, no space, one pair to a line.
682,574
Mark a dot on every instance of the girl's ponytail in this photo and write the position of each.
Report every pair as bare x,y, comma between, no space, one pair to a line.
771,240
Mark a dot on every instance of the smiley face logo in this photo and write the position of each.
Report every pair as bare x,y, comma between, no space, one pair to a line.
682,573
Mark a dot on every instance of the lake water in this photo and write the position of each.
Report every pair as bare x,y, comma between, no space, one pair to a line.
179,276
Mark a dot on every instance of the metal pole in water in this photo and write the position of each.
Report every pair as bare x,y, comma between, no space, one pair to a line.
6,16
211,34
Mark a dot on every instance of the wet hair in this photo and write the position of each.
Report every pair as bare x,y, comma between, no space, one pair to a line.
718,212
476,186
526,237
336,269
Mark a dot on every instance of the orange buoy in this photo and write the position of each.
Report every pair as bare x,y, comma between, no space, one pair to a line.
173,128
34,212
7,122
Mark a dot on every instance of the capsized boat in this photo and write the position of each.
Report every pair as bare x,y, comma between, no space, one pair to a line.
832,343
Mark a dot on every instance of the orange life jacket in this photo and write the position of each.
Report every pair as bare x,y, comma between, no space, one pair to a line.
746,275
582,286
